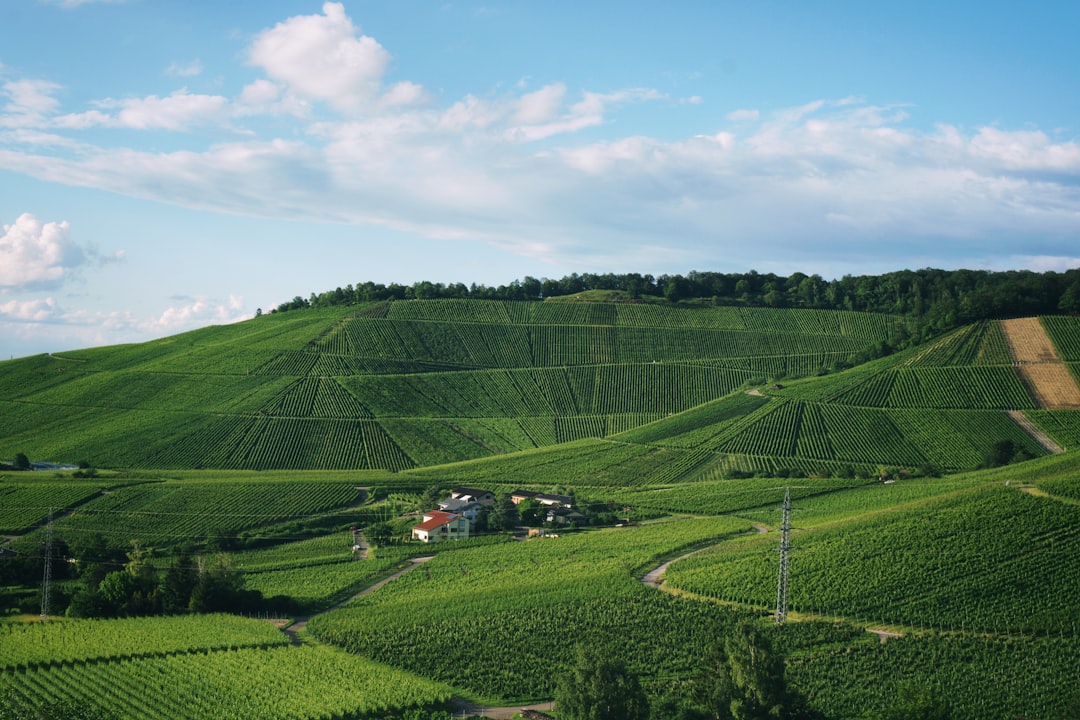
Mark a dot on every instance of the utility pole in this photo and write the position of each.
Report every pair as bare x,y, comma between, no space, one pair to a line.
47,576
785,546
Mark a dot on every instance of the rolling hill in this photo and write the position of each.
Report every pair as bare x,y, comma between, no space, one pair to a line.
412,384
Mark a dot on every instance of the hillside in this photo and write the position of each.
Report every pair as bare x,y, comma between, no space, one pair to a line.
411,384
405,384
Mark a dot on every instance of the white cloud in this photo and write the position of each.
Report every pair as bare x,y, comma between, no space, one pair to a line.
29,102
198,312
188,69
743,115
322,57
178,112
540,105
36,254
28,311
827,178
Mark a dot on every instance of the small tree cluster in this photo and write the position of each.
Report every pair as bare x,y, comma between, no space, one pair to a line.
190,585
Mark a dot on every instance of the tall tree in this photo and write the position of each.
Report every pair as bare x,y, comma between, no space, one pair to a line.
600,688
745,680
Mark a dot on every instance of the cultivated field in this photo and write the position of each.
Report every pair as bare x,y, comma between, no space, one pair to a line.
690,423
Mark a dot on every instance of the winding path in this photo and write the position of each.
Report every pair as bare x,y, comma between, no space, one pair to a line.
299,624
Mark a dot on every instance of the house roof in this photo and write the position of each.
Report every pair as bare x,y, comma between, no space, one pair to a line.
473,492
436,519
564,499
458,505
524,493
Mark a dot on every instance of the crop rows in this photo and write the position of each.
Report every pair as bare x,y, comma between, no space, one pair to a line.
980,677
941,565
592,462
972,387
504,593
317,585
557,345
246,684
317,398
697,425
23,505
268,443
760,498
866,326
599,390
1065,334
981,343
171,512
37,644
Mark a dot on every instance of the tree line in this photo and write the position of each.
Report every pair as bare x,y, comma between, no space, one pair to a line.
934,300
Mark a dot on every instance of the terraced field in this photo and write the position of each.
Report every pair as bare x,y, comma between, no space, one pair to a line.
405,384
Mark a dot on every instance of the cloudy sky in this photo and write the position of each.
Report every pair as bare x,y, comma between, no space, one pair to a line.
169,164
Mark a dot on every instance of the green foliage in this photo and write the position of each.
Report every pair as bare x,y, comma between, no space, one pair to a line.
600,688
744,680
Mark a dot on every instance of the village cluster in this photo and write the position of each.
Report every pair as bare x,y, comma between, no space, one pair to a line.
457,514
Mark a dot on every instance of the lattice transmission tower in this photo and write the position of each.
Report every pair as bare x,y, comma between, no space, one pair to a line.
785,546
47,575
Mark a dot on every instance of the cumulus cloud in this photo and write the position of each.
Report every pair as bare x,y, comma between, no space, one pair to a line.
323,58
28,311
35,254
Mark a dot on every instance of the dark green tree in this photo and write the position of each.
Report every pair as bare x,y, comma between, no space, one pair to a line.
221,589
180,580
22,462
504,514
1000,453
745,680
431,497
600,688
379,533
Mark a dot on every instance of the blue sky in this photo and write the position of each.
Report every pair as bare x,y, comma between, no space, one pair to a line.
166,165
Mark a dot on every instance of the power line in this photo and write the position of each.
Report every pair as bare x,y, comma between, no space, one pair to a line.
47,575
785,545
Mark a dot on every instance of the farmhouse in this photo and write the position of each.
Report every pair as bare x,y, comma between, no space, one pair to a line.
564,516
460,506
519,496
484,497
438,526
554,500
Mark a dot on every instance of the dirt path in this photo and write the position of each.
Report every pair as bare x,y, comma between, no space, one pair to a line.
655,577
299,624
1051,384
464,708
1035,432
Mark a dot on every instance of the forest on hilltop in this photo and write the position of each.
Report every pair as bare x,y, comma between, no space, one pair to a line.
934,300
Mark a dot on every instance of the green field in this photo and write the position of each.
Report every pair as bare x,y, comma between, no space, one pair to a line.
259,447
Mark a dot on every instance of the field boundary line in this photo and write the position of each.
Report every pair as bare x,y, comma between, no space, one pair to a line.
1037,434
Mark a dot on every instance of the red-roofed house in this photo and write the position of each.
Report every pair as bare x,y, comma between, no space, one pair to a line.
438,525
